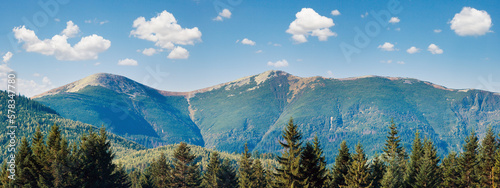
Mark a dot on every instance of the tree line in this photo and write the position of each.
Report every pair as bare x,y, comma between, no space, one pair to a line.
88,163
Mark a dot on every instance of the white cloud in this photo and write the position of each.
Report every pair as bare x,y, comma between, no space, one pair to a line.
36,74
166,33
364,15
400,62
258,51
309,22
7,56
224,14
329,73
71,29
97,63
150,51
178,53
437,30
335,12
103,22
471,22
398,29
247,42
413,50
88,21
386,47
388,61
127,62
218,18
28,88
394,20
277,64
87,48
57,19
434,49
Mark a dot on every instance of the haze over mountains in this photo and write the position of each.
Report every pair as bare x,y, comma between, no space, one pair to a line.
254,109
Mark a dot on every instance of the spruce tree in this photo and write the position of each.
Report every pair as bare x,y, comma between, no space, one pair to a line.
245,171
210,176
25,175
468,162
358,174
342,163
160,172
488,149
394,156
288,170
40,160
415,161
495,171
429,174
186,172
96,168
377,171
259,175
313,165
226,177
450,173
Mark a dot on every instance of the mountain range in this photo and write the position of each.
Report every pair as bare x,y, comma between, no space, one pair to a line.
255,109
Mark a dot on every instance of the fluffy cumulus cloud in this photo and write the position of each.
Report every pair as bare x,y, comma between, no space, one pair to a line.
386,47
310,23
277,64
247,42
335,12
165,32
127,62
87,48
394,20
7,56
471,22
434,49
178,53
150,51
224,14
71,29
413,50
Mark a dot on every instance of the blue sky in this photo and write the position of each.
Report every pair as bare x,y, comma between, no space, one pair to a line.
456,43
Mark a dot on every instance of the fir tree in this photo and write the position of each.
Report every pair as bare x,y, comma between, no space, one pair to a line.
259,174
415,161
185,173
25,176
489,146
245,170
429,173
495,171
394,157
342,163
226,177
358,174
288,170
468,162
160,172
313,165
210,176
377,171
449,169
40,159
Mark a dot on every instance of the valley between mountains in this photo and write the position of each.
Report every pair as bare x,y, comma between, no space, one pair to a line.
255,109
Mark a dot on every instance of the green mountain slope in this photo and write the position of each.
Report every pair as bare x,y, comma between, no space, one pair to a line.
31,114
126,108
255,109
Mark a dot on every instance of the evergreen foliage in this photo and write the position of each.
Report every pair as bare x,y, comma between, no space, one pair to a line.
288,171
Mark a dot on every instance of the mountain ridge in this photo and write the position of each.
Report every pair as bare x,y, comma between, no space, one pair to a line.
91,80
254,110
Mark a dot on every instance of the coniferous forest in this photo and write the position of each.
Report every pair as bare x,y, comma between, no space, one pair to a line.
49,161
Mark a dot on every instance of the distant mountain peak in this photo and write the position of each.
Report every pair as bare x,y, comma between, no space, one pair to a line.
113,82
